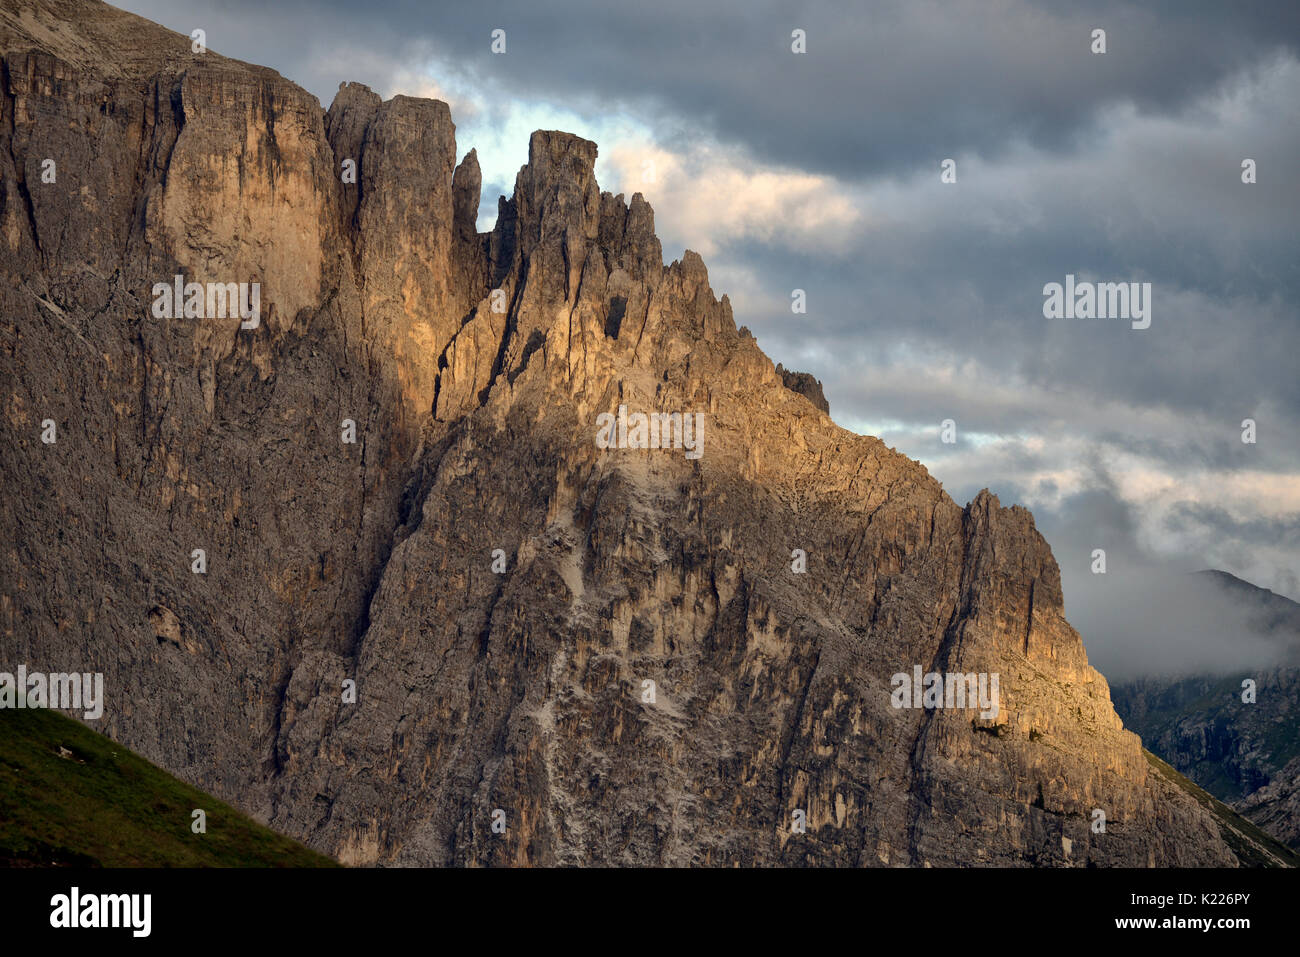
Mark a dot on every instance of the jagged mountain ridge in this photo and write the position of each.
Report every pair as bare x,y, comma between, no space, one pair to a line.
480,691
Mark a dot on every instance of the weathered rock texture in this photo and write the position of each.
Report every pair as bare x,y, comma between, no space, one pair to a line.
1276,806
806,385
523,691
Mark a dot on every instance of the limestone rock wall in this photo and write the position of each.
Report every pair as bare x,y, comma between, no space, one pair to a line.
475,368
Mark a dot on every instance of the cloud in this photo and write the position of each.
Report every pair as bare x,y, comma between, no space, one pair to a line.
891,86
1147,614
708,197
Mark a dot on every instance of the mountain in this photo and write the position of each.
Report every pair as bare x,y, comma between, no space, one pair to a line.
1245,752
485,631
1264,612
1253,846
71,797
1275,807
806,385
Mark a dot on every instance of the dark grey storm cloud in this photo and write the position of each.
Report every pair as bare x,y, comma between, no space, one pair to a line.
882,86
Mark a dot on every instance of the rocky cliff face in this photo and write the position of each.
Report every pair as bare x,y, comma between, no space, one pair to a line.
1276,806
563,652
806,385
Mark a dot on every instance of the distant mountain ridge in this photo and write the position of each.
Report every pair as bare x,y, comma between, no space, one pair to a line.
1268,613
1247,754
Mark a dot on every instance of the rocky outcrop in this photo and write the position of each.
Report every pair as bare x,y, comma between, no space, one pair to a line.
1276,806
487,632
806,385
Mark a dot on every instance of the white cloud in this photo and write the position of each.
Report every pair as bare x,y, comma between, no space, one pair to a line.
709,196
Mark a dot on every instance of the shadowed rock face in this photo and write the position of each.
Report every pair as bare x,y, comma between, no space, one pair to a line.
806,385
1276,806
476,415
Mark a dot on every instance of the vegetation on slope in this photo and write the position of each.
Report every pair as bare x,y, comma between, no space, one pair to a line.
1254,847
72,797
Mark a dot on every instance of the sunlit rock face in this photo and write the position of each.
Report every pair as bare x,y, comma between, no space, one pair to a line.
477,634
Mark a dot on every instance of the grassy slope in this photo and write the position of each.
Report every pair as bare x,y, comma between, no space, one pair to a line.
1248,842
104,806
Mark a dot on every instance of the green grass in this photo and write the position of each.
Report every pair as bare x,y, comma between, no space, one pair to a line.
103,806
1254,847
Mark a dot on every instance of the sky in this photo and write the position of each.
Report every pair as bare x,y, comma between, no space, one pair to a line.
821,171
